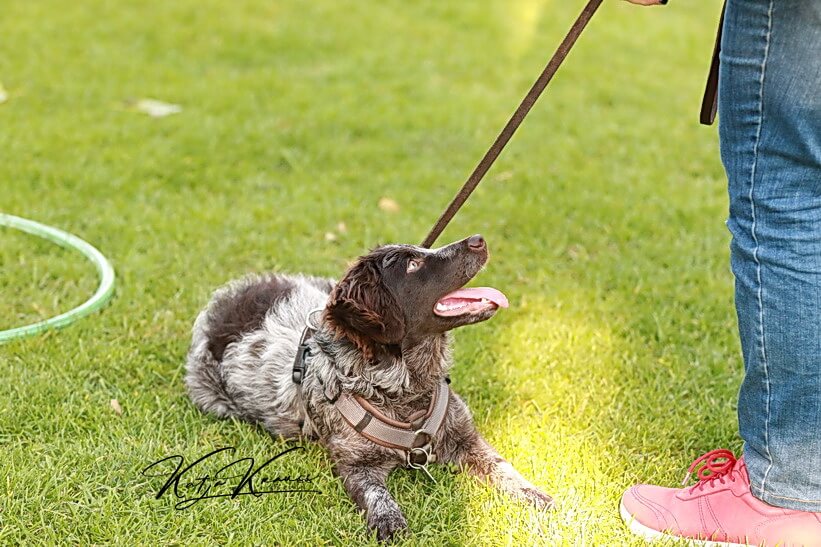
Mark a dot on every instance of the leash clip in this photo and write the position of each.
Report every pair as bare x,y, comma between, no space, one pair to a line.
298,372
419,457
428,458
303,350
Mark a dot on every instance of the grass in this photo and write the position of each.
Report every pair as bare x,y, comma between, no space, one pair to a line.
617,361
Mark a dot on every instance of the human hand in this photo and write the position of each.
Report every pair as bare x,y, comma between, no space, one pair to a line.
648,2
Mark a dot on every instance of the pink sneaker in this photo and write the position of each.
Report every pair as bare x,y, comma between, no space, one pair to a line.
718,510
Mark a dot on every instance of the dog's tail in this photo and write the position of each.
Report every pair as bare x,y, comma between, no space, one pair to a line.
204,379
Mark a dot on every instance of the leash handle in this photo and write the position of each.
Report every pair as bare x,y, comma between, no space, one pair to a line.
709,104
514,122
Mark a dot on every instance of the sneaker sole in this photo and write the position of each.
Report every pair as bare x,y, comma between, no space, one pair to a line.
651,535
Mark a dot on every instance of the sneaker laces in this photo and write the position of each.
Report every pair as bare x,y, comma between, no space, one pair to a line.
715,465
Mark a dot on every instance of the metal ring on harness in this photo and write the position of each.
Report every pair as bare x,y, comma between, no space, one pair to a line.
308,319
424,452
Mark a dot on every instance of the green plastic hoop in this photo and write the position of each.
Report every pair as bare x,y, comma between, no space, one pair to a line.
69,241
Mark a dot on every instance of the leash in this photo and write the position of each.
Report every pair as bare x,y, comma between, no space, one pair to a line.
706,116
709,105
515,121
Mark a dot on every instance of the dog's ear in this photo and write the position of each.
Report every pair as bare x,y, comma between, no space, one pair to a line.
362,309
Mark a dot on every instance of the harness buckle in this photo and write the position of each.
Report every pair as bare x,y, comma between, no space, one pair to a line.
302,351
298,372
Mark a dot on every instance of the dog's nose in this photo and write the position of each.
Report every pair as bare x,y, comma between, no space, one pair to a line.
476,243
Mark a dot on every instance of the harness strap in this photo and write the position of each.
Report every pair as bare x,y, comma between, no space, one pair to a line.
384,431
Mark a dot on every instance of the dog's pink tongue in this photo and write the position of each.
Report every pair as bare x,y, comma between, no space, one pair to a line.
477,293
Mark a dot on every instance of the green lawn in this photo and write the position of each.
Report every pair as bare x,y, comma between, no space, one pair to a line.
617,361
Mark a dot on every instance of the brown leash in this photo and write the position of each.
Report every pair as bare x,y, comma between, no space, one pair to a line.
514,122
709,105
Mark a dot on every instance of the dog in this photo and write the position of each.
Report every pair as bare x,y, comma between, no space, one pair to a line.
367,377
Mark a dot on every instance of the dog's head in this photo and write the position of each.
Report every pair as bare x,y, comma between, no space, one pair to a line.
404,292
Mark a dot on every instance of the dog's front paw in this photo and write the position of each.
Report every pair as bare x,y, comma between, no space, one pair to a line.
387,524
536,498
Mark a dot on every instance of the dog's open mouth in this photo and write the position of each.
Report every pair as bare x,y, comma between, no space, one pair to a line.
468,301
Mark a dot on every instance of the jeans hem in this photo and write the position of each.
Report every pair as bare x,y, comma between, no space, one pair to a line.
785,502
773,492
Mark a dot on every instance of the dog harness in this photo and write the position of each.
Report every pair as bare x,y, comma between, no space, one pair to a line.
413,438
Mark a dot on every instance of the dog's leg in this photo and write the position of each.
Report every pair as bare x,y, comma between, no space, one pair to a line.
483,461
366,486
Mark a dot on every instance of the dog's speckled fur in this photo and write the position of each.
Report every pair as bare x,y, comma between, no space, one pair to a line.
377,337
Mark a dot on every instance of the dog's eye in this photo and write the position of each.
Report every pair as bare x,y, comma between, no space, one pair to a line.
413,265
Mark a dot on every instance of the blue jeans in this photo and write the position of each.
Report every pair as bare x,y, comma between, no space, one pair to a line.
770,132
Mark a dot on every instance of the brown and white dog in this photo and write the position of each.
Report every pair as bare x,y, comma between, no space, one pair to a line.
382,337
